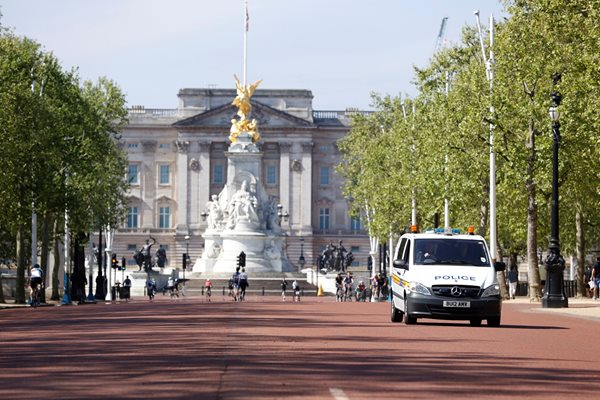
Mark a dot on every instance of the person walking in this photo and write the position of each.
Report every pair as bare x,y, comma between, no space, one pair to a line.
283,289
208,289
587,277
235,279
296,289
127,289
243,284
596,277
513,280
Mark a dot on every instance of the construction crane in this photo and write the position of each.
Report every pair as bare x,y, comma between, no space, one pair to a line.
439,42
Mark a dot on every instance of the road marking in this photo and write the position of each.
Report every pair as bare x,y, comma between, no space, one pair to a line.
338,394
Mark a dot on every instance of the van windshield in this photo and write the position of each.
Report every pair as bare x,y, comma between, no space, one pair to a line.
448,251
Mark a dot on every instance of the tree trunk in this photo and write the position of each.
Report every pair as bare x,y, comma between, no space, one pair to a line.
580,252
45,251
2,300
483,216
500,274
55,281
20,283
533,272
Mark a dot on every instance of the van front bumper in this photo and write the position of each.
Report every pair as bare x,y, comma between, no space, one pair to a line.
421,306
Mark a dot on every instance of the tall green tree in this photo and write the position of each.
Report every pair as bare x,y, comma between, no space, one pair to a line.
60,147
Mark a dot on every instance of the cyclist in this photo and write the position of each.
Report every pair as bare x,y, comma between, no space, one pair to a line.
348,281
361,291
208,289
339,287
150,288
35,283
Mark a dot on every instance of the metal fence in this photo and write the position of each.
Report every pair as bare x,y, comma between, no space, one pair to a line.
569,287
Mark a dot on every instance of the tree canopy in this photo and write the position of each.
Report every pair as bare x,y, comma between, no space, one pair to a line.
60,148
440,151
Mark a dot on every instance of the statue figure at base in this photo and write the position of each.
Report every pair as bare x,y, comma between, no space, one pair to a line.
242,207
161,257
143,258
215,213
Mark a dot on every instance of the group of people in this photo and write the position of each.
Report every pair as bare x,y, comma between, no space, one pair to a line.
123,292
345,289
295,289
592,280
238,283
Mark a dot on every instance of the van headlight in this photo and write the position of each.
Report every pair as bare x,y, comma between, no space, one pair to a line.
493,290
419,288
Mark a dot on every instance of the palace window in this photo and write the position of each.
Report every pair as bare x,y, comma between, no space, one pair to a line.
324,218
218,177
355,224
132,217
133,174
164,217
164,176
324,176
271,178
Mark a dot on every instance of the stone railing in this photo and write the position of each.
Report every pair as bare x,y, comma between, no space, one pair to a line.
339,114
160,112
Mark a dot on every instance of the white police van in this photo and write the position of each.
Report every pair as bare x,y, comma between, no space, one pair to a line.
445,275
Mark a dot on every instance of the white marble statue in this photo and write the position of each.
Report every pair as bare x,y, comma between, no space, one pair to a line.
272,251
242,207
214,251
215,213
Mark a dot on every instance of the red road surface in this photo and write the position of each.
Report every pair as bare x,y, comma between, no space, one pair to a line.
266,349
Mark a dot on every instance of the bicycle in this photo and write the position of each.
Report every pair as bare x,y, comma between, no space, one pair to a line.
36,296
348,292
339,294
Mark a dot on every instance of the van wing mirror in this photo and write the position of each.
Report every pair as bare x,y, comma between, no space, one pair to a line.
499,266
402,264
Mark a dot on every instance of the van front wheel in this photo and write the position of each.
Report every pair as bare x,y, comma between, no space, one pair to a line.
408,319
396,314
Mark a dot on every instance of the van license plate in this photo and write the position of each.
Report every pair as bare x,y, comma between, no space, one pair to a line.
457,304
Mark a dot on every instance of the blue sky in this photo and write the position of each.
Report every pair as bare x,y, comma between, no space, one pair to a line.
342,50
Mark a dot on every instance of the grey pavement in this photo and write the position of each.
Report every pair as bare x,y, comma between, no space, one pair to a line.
578,307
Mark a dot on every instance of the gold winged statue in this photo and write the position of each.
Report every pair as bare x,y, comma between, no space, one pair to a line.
242,102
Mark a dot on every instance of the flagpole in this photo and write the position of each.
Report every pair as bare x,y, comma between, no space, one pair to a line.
245,40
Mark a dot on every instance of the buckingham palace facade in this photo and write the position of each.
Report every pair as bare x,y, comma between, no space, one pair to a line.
177,161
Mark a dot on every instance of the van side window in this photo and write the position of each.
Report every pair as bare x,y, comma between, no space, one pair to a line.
407,252
401,249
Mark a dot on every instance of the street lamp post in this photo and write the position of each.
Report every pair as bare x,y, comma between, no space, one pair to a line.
187,255
108,233
90,297
554,296
301,259
66,295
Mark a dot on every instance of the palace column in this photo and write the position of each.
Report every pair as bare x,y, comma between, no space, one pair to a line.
204,175
284,177
182,186
148,182
306,188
